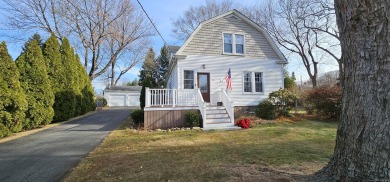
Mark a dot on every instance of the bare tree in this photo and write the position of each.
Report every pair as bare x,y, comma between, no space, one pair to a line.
128,41
186,24
89,23
329,78
363,138
287,23
321,18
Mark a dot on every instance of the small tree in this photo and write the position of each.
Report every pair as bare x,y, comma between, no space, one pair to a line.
162,66
13,103
149,69
132,83
146,83
36,85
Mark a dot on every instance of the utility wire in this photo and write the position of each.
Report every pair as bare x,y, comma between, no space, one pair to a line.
152,22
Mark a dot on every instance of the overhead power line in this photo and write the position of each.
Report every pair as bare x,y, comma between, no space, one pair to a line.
152,23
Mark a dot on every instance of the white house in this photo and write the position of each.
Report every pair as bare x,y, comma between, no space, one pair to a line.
197,71
122,95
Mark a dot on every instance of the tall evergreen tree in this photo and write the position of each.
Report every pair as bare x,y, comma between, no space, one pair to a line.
147,83
13,103
35,37
86,101
162,66
56,72
72,89
149,69
36,85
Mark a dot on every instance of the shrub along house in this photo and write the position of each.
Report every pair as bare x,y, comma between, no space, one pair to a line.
229,62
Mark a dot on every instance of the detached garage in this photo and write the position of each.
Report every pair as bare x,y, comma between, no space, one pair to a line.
122,95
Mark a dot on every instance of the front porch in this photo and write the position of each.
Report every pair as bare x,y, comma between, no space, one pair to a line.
165,108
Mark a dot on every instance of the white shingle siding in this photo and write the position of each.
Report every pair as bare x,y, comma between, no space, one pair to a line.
218,66
208,40
172,80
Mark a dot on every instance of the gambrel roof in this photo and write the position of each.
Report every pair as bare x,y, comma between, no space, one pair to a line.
244,19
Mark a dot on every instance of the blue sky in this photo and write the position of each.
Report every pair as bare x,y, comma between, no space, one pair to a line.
161,13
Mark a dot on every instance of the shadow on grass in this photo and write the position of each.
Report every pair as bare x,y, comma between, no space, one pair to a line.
269,152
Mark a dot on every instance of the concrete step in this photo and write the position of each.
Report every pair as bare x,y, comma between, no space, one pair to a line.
216,111
215,107
217,120
215,116
222,127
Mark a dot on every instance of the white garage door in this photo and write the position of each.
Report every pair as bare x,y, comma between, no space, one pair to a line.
134,99
117,100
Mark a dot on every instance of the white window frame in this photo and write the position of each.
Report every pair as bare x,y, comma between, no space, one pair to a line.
234,52
193,79
253,82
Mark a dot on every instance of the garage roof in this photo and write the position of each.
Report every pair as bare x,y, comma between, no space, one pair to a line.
123,88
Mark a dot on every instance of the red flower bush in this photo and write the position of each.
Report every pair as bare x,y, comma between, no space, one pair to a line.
244,123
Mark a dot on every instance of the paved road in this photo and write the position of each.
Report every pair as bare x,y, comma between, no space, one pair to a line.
50,154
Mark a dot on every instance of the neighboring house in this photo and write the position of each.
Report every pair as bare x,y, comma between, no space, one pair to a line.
196,77
122,95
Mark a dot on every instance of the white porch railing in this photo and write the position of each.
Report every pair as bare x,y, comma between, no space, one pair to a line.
171,97
228,105
202,107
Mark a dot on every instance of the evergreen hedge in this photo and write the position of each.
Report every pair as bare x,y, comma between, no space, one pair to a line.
36,85
13,103
42,85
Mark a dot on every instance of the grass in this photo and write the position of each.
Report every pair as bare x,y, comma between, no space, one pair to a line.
267,151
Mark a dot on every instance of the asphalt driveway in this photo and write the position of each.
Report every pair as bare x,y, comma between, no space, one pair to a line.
50,154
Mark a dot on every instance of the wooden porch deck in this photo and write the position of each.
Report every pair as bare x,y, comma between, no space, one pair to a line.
166,117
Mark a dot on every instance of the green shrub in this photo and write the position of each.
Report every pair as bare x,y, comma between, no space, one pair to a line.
138,116
102,101
266,110
4,131
88,98
324,101
192,118
284,100
64,105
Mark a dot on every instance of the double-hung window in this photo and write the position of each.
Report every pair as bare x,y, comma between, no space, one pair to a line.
233,43
253,82
227,43
258,82
188,79
247,81
239,44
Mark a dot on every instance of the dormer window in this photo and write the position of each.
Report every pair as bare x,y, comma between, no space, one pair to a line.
233,43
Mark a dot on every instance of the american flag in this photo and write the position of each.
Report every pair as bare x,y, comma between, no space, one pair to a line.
228,80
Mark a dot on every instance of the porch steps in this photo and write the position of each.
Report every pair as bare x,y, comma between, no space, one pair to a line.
217,118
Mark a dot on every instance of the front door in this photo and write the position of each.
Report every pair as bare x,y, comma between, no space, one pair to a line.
204,85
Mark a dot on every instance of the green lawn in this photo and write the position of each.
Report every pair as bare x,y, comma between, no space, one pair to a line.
278,150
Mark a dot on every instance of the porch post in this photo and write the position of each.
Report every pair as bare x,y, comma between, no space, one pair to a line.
147,97
174,97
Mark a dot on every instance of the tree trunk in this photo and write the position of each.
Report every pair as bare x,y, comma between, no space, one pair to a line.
112,83
362,151
341,71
